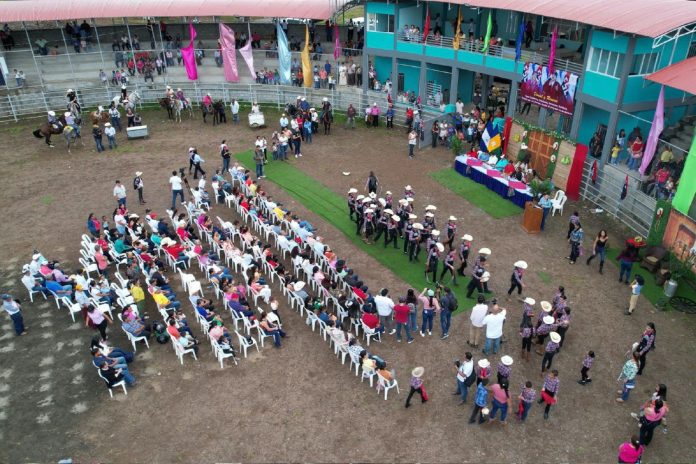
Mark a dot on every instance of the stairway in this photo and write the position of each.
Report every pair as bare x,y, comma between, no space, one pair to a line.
681,134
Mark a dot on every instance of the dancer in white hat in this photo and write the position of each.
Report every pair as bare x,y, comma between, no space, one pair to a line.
417,385
516,278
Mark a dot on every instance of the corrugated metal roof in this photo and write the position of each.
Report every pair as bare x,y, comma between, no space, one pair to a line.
678,76
650,18
47,10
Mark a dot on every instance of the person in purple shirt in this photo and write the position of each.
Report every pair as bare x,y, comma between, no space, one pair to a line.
552,348
527,397
549,393
586,365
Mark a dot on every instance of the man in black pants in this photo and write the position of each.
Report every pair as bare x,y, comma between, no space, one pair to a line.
391,233
476,276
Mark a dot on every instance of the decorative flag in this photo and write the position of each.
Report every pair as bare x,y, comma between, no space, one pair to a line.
306,62
490,139
458,30
229,53
658,124
188,55
489,29
518,42
552,52
426,28
283,55
337,42
624,189
594,172
248,55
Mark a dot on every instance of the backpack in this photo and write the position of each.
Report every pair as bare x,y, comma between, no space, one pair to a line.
135,183
160,331
469,381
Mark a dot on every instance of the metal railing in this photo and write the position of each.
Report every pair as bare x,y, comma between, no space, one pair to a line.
636,211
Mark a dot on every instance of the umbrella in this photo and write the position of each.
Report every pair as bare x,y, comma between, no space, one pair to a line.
450,108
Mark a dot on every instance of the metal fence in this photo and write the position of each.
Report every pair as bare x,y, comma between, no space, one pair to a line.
636,211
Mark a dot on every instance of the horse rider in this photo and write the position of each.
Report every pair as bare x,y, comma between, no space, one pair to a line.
304,105
326,108
180,96
314,116
169,93
208,101
255,108
70,121
54,121
124,94
73,105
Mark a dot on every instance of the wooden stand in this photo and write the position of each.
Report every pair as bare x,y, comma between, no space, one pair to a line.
531,221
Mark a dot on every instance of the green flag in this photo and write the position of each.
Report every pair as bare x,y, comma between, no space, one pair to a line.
489,29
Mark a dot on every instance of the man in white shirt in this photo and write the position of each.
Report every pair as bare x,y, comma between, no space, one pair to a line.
115,116
385,307
283,122
197,161
120,193
177,188
14,310
32,283
234,107
494,328
110,133
465,375
477,314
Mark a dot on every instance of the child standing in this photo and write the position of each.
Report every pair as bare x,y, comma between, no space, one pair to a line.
417,385
636,287
586,366
616,149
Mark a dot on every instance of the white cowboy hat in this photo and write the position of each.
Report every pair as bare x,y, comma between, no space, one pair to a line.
123,86
382,201
182,224
25,268
410,199
298,286
483,363
546,306
548,320
166,241
69,91
523,146
435,233
486,276
388,211
452,218
408,187
530,301
412,216
506,360
388,192
169,87
100,108
555,337
302,98
418,372
353,190
51,113
403,201
366,199
208,94
107,124
67,114
467,237
372,195
440,247
359,197
431,208
138,173
429,214
325,99
395,218
369,210
485,251
417,226
521,264
133,215
374,104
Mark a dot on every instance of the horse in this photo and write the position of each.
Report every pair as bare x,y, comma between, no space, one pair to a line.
327,119
71,137
47,129
219,115
168,104
179,108
76,110
99,116
133,99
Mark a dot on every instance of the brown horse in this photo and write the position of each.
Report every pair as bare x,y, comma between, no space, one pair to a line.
97,117
46,130
168,104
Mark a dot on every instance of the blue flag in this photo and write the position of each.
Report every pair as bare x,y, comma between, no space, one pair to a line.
283,56
518,43
490,139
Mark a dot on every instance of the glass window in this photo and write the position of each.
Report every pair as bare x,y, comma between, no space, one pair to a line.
380,22
645,64
605,62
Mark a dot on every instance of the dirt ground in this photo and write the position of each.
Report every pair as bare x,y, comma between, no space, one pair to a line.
299,403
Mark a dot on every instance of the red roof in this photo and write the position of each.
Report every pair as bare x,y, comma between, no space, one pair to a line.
678,76
48,10
650,18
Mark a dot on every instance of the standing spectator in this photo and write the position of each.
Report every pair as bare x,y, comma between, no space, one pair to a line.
234,107
197,160
14,309
115,116
110,133
258,159
120,193
478,313
138,185
550,351
545,204
501,401
599,247
653,415
417,385
480,402
401,316
549,392
412,141
465,376
225,154
177,188
626,258
430,307
628,375
448,305
97,134
98,319
131,116
586,366
636,287
631,451
575,240
494,328
527,397
646,344
385,308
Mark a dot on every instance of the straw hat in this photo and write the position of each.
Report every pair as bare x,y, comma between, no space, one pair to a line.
521,264
431,208
530,301
555,337
483,363
467,237
417,226
418,372
485,251
486,276
396,218
298,286
353,190
546,306
435,233
452,218
440,247
548,320
412,216
506,360
365,199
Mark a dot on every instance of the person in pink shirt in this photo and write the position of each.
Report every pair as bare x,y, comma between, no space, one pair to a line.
631,451
374,112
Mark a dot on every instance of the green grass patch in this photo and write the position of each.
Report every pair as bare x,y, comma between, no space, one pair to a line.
333,208
544,277
47,200
651,290
476,194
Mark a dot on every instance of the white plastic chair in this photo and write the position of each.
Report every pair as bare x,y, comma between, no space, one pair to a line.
262,335
121,384
194,288
221,355
74,309
244,343
181,351
558,201
132,338
368,333
31,293
58,299
368,374
387,385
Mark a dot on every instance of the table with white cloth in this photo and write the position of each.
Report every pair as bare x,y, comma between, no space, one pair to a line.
473,168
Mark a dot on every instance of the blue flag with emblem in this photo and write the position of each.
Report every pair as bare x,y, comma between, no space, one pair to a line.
490,139
518,42
283,55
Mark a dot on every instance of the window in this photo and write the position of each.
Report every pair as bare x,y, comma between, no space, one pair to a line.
605,62
380,22
692,50
645,64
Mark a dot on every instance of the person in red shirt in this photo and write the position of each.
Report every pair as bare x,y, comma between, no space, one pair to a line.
175,250
360,292
371,320
401,314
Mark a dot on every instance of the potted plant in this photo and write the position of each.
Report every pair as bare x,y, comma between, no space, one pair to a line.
540,188
456,146
680,264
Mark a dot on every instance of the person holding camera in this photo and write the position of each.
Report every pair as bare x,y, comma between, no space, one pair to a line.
466,376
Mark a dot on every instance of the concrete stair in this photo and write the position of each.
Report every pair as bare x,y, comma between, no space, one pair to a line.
681,134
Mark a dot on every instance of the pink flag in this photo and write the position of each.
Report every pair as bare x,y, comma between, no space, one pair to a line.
552,51
658,124
337,43
229,54
246,53
188,55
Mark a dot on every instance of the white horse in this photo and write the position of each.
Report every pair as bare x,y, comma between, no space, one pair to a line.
131,102
179,108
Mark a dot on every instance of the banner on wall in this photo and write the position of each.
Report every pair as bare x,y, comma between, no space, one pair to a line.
554,91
